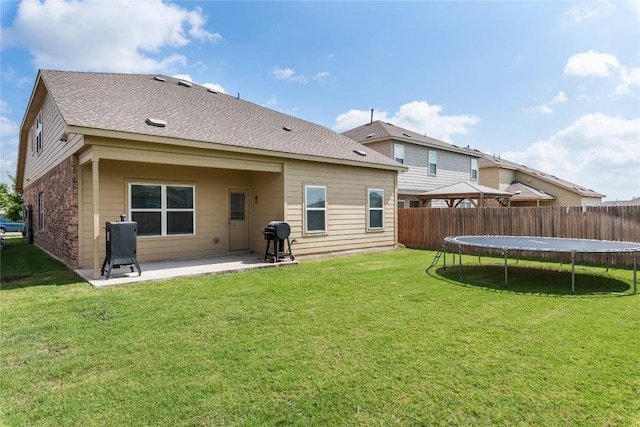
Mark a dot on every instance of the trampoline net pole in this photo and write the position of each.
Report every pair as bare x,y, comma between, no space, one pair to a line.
635,265
506,280
573,272
459,260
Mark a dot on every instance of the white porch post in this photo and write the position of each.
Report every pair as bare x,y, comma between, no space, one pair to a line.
96,217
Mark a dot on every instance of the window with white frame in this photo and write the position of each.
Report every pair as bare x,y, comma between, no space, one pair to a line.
376,208
401,204
414,203
37,134
315,209
474,169
41,211
433,162
162,209
398,153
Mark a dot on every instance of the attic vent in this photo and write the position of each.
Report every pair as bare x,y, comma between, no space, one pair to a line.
160,79
406,134
360,152
212,91
288,129
156,122
184,83
455,145
370,135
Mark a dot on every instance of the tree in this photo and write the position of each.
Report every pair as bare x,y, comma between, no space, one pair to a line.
10,200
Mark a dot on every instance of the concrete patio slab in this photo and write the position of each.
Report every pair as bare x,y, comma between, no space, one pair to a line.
158,270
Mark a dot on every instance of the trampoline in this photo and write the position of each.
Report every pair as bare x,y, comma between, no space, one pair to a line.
543,244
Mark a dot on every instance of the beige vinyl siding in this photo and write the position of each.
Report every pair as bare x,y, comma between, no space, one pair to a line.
269,189
346,207
211,193
489,177
564,197
506,176
53,150
382,147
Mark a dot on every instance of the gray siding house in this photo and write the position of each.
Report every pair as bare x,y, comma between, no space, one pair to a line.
432,163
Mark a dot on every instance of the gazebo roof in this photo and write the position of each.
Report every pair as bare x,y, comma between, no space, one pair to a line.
465,190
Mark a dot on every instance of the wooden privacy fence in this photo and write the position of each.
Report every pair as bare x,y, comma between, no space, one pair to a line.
426,228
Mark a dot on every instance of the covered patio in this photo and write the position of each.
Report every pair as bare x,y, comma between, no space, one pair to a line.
160,270
475,193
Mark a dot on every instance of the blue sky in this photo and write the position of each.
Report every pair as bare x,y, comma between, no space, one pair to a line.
552,85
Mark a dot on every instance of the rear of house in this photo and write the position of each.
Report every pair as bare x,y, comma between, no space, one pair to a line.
201,172
431,163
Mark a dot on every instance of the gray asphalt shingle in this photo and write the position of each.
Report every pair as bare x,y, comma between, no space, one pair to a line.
123,102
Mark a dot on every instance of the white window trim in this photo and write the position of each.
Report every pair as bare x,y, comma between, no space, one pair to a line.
435,162
369,209
398,153
37,133
306,209
163,208
401,202
474,168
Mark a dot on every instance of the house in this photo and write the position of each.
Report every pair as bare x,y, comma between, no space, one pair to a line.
201,172
532,187
633,202
432,163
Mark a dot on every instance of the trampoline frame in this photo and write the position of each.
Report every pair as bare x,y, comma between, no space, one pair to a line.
558,244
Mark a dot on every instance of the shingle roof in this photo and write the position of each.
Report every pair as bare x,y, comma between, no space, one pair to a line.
379,130
632,202
491,161
123,102
523,192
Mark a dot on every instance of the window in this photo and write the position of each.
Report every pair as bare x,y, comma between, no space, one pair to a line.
398,153
41,211
414,203
376,208
315,203
474,169
38,133
162,210
401,204
465,204
433,162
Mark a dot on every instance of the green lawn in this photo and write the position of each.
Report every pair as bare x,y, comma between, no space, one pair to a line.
359,340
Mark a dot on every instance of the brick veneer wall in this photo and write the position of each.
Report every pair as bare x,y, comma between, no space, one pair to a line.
60,234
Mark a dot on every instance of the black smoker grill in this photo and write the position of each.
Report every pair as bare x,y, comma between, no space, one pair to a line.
277,232
121,246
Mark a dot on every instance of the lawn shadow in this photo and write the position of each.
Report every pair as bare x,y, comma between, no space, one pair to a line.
532,280
25,265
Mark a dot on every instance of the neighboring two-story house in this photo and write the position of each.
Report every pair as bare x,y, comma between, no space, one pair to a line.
432,163
531,187
201,172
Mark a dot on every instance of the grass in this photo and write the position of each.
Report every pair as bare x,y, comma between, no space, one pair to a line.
360,340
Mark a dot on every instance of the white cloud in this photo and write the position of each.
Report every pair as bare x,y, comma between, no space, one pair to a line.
586,10
544,109
628,77
185,77
271,102
591,64
214,86
321,75
4,107
123,36
7,127
597,151
560,97
283,73
417,116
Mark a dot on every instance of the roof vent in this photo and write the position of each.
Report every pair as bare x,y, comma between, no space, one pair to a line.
212,91
156,122
287,128
160,79
370,135
360,152
406,134
185,83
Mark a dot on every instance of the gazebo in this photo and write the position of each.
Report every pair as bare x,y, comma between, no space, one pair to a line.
454,194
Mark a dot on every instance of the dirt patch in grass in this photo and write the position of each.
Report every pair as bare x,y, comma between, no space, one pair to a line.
14,278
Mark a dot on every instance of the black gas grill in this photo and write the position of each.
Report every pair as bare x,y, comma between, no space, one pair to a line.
121,246
277,232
